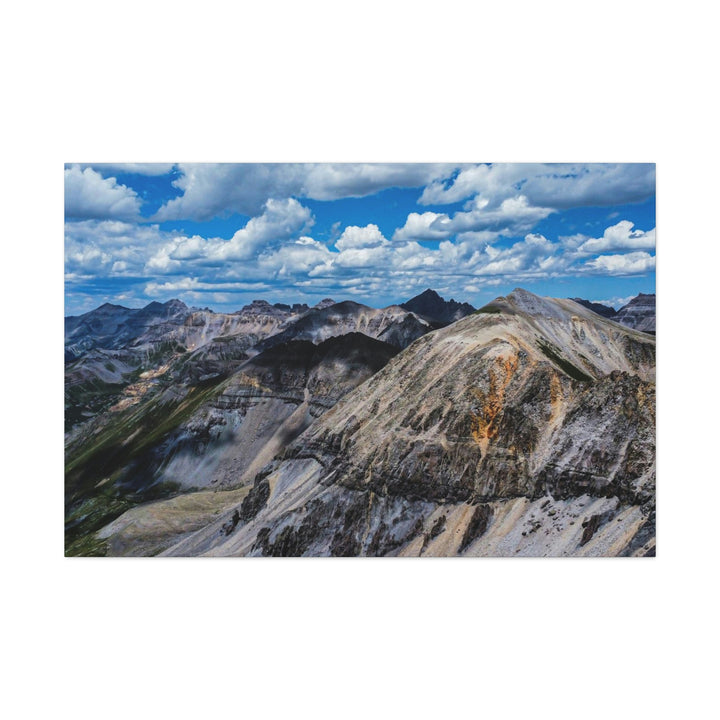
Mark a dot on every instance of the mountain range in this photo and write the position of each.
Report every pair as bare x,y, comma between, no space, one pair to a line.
524,428
639,313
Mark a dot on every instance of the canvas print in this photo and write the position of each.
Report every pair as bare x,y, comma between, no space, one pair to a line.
363,360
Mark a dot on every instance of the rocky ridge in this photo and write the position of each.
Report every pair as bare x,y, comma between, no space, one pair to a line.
489,437
436,310
108,350
184,433
599,308
639,313
392,324
526,428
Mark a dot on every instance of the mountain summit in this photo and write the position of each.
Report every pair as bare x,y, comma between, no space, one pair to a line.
435,309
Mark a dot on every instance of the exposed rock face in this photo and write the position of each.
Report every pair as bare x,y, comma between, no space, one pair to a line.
639,313
109,349
96,381
392,325
529,427
431,307
327,302
114,326
328,370
188,431
149,331
263,406
526,428
295,307
599,308
263,308
220,356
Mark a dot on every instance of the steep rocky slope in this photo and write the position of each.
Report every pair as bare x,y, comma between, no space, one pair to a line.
149,330
96,381
111,352
168,399
178,436
256,321
639,313
263,406
392,325
524,429
107,349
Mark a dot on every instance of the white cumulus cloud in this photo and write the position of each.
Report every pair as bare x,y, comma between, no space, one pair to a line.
89,195
124,247
619,237
553,185
210,190
634,263
280,221
422,226
513,216
360,237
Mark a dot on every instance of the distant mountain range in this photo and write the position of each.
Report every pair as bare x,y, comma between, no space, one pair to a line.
639,313
427,428
599,308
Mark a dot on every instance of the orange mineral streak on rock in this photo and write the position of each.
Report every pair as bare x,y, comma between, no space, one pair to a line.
556,394
483,424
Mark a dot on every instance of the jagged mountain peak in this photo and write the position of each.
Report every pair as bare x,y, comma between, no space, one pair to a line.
172,307
523,301
261,308
393,325
430,306
176,304
639,313
257,304
429,293
109,307
647,299
295,307
102,310
327,302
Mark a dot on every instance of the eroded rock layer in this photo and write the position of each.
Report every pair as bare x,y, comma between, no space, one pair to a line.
527,428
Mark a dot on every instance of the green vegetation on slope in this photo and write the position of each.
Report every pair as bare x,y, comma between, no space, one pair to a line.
89,398
116,470
553,354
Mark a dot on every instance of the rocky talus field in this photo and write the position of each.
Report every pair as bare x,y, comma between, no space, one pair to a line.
525,428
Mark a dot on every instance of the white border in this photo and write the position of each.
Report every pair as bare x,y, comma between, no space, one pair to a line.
553,81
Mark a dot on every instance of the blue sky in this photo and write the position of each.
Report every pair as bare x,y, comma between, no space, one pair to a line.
221,235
